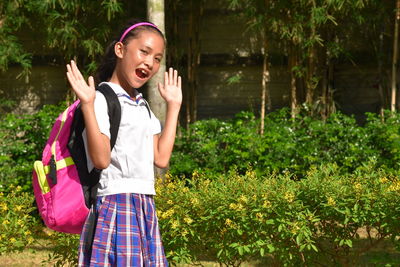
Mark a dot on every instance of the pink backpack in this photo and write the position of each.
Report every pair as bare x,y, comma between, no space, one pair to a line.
64,189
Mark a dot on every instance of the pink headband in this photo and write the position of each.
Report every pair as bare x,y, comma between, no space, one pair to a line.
134,26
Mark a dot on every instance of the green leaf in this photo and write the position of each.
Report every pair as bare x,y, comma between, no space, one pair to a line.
262,252
240,250
314,247
271,248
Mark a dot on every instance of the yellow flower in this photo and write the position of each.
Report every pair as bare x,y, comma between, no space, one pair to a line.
184,232
236,207
185,190
30,240
20,222
5,222
188,220
194,201
18,208
27,232
259,216
289,196
251,174
331,201
19,188
395,186
171,186
168,213
158,213
228,222
243,199
4,207
267,204
357,186
195,174
384,180
168,176
295,228
206,183
12,240
170,202
49,233
174,224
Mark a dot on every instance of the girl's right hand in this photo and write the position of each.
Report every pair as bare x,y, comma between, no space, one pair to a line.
84,91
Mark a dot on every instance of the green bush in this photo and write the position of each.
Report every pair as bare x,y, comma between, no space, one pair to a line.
64,249
385,137
22,139
323,219
17,224
287,146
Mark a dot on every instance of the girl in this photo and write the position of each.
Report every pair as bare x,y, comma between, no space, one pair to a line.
127,231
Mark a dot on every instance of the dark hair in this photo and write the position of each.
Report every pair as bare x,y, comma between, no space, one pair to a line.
109,61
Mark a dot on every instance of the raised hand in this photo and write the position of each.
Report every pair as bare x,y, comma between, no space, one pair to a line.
171,91
84,91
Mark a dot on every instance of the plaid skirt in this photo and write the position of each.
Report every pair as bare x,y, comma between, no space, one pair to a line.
126,233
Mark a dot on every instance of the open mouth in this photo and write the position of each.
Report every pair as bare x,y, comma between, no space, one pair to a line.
142,73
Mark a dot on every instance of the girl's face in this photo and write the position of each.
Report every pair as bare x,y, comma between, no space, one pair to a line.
138,60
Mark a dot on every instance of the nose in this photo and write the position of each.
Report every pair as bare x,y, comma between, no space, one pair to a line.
149,62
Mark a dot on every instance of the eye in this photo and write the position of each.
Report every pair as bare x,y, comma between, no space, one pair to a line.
158,59
145,52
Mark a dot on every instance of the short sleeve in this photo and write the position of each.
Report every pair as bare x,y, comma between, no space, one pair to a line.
101,112
155,124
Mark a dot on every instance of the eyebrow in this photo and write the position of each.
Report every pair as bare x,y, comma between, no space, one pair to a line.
148,47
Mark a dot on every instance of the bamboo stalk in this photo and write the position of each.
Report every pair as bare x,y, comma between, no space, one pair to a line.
395,56
265,81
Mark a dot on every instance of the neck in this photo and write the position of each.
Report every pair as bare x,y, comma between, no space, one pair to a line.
132,92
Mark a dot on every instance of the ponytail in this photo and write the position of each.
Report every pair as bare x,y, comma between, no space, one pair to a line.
107,65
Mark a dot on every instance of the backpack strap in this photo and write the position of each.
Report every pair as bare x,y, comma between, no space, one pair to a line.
114,111
114,114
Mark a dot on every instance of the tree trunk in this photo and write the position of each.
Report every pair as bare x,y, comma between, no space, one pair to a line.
155,14
382,93
193,61
310,82
395,56
293,89
190,55
265,94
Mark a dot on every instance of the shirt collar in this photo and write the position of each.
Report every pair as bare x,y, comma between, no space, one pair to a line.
120,92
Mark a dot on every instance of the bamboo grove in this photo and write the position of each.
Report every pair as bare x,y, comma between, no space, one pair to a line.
312,35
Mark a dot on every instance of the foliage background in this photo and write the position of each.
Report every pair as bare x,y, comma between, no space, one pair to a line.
315,187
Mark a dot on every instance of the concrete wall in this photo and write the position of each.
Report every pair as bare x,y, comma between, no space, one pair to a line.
225,48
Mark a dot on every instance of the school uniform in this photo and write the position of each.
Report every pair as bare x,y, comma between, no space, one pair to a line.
127,232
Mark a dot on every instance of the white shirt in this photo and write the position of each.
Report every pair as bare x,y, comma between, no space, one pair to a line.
132,159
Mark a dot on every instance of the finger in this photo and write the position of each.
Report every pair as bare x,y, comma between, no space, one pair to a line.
175,77
76,71
69,70
166,78
91,82
70,78
171,76
179,82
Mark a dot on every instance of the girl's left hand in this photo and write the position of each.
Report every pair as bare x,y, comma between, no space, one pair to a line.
171,91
